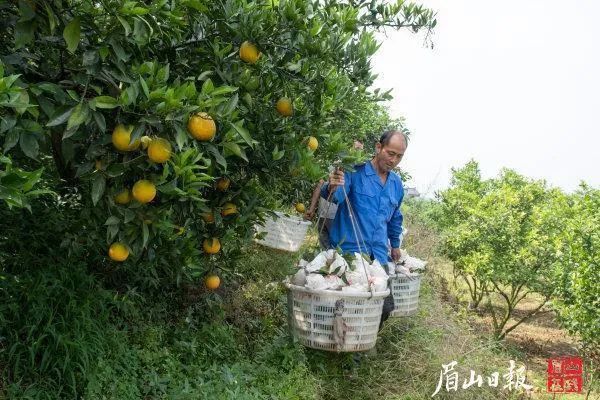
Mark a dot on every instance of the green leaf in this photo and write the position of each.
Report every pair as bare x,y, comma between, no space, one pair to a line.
243,132
72,34
137,132
196,5
145,234
115,170
23,34
144,86
52,19
277,154
125,24
107,102
140,32
83,169
8,122
220,159
119,52
207,87
79,115
29,145
26,11
224,90
60,116
98,186
100,121
181,136
231,104
11,139
235,149
112,220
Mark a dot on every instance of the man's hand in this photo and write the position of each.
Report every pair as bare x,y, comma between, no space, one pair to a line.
336,178
396,254
309,215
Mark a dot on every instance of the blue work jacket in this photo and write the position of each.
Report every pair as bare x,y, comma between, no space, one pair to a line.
377,210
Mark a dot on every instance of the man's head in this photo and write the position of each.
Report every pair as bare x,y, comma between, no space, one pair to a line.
390,150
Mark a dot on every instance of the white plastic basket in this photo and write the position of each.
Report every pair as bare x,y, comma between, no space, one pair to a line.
405,291
311,318
283,232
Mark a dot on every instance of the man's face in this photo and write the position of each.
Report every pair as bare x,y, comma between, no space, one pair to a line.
389,156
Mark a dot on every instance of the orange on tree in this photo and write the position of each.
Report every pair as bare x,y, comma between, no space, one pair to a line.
211,246
159,150
300,207
208,217
123,197
312,143
202,127
121,138
249,53
144,191
212,282
223,184
228,209
284,107
118,252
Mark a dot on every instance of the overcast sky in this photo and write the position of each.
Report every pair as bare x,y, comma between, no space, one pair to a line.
511,84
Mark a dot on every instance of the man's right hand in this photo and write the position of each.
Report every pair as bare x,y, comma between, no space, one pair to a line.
336,178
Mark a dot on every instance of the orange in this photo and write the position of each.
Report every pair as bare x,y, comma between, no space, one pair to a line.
121,138
211,246
123,197
313,143
223,184
208,217
212,282
118,252
249,53
202,127
284,107
228,209
159,150
144,191
300,207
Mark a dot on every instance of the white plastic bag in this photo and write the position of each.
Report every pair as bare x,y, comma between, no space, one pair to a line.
299,279
316,282
338,266
317,263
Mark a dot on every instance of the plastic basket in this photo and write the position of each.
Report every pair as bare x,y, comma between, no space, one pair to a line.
283,232
311,318
405,291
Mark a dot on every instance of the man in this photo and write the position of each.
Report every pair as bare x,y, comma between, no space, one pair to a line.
375,194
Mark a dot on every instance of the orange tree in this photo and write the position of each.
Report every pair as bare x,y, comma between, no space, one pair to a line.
140,109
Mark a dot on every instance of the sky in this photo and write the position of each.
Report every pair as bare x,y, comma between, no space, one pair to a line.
510,84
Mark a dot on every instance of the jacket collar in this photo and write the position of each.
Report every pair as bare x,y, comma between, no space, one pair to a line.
369,170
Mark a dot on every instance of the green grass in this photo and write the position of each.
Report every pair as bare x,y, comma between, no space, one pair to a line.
234,344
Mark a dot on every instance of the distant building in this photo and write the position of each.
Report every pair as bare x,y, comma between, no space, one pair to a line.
410,192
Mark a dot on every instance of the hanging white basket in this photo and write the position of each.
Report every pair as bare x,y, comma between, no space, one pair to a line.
283,232
312,316
405,291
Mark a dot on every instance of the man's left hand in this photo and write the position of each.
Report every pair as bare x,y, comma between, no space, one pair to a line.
396,254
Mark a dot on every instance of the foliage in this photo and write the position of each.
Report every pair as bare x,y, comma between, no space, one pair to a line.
578,297
72,72
502,236
75,70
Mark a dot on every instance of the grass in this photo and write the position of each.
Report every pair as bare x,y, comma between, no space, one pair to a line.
234,344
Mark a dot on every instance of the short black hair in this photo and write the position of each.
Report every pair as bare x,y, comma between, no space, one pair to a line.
387,136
